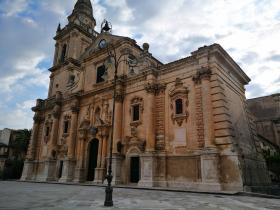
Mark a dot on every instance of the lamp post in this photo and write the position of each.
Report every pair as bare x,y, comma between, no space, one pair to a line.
114,61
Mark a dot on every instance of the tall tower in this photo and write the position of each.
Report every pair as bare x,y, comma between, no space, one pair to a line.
77,35
71,42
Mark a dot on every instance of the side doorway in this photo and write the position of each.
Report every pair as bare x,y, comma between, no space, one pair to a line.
92,158
134,169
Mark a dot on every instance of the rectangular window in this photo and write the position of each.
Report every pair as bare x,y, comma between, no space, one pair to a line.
179,106
135,112
100,73
66,125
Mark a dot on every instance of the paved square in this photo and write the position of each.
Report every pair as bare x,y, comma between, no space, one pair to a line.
21,196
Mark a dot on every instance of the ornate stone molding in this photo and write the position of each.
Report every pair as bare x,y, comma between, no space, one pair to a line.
56,111
37,118
134,102
119,97
154,88
202,73
179,92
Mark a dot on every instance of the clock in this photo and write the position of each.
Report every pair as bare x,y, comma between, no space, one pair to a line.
102,44
81,18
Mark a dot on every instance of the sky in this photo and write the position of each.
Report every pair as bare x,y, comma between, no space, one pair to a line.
249,30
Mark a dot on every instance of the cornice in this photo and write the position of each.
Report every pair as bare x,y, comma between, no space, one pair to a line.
67,62
71,26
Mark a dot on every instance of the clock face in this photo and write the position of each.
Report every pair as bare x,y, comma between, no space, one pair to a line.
81,18
102,44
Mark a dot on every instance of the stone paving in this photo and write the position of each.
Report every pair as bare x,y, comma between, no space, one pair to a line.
21,196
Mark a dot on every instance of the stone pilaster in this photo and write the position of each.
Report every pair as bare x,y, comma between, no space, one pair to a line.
98,175
147,170
30,158
70,161
50,163
207,108
117,135
150,117
116,168
210,170
100,171
80,175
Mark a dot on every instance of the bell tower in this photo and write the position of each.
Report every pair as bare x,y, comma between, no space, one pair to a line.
77,35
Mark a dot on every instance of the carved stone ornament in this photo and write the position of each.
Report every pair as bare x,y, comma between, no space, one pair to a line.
179,92
119,97
134,142
136,101
202,73
154,88
37,118
47,128
56,111
84,129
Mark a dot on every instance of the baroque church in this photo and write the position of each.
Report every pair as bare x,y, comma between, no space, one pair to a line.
181,124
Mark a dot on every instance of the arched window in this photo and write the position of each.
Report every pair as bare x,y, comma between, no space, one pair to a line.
101,70
179,106
63,53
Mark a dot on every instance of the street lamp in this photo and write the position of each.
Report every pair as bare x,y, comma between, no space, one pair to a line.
114,61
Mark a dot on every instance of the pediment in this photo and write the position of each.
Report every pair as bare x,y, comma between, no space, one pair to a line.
94,47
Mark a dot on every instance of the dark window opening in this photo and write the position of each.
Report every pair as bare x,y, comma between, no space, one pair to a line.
135,112
100,73
47,131
179,106
66,125
63,53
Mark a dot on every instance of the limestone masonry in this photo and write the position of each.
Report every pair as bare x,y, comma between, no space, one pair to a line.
181,124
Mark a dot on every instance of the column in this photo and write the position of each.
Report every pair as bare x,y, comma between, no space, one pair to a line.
73,133
104,151
207,110
69,162
80,166
150,120
50,163
210,172
27,172
148,159
98,175
117,135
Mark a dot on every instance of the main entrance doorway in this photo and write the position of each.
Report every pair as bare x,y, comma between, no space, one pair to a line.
92,159
134,169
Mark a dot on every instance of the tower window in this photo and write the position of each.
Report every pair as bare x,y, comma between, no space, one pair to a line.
135,112
63,53
179,106
66,126
100,73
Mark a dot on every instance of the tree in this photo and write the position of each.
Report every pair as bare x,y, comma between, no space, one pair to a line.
21,141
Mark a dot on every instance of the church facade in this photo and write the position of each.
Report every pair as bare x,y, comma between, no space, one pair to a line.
181,124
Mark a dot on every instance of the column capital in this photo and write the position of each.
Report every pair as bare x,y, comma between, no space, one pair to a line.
119,97
56,111
75,109
37,118
202,73
154,88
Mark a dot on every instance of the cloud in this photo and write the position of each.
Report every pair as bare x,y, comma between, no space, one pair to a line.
13,7
18,118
